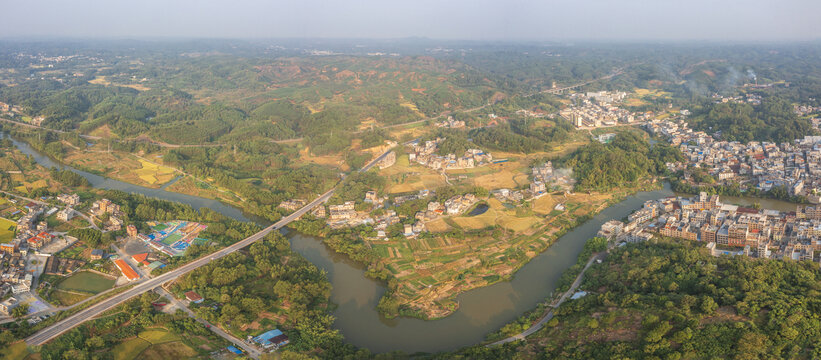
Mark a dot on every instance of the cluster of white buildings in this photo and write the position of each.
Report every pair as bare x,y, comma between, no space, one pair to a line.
597,109
104,206
543,180
802,110
758,164
425,154
451,123
725,228
749,98
346,215
453,206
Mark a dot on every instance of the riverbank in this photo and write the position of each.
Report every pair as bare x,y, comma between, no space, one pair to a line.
481,310
140,171
555,304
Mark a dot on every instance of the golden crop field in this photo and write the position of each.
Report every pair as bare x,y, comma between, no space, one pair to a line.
154,173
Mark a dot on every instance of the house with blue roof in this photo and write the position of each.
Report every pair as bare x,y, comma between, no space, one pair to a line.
272,339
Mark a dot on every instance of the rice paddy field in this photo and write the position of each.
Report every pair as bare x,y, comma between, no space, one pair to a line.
153,173
434,268
121,166
130,349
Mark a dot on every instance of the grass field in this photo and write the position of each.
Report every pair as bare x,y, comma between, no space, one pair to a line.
399,180
86,281
544,204
335,160
101,80
518,224
6,230
635,102
104,132
169,350
130,349
121,166
189,185
17,351
170,239
158,336
63,298
653,93
438,225
504,176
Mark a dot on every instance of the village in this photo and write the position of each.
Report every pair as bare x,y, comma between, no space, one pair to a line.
44,266
425,154
598,109
725,229
795,166
35,248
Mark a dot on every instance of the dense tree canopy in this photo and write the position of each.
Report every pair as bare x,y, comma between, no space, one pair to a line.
627,159
773,120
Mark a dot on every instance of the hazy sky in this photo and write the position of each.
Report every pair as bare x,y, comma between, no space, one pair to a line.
442,19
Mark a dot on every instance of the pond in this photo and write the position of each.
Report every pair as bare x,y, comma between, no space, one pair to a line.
479,209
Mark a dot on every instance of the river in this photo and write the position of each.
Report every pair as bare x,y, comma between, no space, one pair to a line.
481,310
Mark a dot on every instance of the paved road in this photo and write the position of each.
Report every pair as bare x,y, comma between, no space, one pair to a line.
66,324
540,324
374,161
250,350
616,72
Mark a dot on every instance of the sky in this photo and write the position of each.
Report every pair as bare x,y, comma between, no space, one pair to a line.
741,20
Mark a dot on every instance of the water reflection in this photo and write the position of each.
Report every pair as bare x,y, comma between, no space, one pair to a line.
481,310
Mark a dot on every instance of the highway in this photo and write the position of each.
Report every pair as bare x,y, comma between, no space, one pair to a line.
90,312
43,336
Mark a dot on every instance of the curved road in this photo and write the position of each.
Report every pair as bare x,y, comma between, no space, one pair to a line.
540,324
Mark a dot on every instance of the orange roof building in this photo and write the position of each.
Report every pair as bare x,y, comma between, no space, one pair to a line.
126,269
141,259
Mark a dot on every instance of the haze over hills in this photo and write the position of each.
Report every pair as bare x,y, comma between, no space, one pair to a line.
369,180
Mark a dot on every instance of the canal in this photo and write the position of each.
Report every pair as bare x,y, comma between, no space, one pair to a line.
481,310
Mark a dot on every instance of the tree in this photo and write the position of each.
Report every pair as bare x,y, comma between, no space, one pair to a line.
20,311
708,305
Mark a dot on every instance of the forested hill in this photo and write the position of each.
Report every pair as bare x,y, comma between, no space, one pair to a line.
772,120
669,299
201,99
628,159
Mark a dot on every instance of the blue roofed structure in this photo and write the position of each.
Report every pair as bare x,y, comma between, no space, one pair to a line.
234,350
273,338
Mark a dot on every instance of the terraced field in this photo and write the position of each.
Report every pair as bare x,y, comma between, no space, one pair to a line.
433,268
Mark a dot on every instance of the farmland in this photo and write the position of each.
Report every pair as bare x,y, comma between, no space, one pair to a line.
433,268
6,230
121,166
153,344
